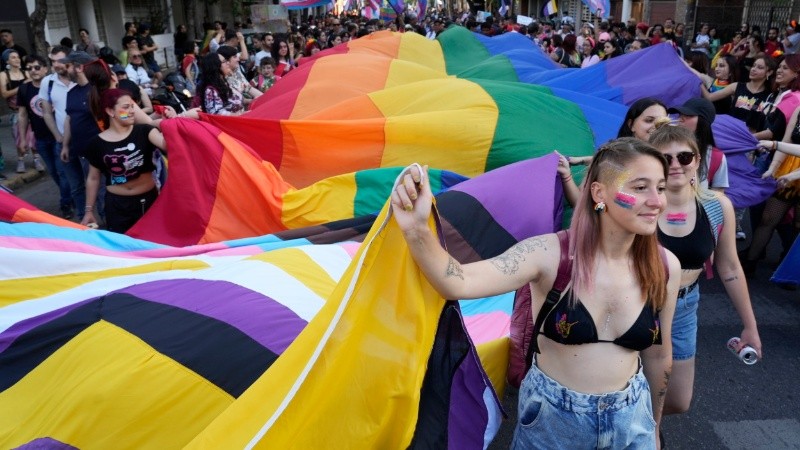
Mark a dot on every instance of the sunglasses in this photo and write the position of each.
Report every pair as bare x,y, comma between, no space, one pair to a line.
33,68
684,158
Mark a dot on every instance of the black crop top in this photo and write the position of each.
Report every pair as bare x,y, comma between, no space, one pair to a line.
694,249
575,326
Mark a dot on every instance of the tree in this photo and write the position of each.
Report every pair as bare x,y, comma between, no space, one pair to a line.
38,17
191,17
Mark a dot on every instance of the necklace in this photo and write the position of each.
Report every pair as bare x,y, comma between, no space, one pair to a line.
610,308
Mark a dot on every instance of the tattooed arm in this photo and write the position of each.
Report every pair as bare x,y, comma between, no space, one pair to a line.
411,207
730,272
657,359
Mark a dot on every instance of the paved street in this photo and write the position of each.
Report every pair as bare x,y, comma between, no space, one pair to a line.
735,406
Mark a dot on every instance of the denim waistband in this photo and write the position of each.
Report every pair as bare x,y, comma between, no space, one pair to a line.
688,288
569,400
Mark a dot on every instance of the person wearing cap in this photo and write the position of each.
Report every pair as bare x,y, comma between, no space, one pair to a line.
79,125
697,115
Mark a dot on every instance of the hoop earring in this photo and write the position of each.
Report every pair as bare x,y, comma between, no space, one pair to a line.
599,207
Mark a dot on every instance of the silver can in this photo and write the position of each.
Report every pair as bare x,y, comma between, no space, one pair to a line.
747,354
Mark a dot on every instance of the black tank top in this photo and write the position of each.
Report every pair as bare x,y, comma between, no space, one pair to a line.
694,249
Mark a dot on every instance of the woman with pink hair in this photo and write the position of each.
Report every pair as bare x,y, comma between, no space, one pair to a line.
619,305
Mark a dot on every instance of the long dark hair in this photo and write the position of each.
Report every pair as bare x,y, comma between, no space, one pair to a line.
100,78
705,140
276,47
211,77
636,110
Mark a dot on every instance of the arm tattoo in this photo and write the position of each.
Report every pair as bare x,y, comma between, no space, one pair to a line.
663,391
508,262
454,269
727,280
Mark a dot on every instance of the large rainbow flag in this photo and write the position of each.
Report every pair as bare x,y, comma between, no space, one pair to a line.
244,310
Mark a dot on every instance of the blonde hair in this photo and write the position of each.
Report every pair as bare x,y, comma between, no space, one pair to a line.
665,135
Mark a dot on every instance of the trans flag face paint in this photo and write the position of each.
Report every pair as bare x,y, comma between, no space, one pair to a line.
627,201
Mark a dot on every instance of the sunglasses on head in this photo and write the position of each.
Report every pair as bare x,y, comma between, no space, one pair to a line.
33,67
684,158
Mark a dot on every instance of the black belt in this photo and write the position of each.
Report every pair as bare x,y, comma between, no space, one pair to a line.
685,289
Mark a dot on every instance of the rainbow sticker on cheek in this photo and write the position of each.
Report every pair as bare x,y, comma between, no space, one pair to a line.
625,200
124,115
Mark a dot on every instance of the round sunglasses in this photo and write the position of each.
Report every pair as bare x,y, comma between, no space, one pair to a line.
684,158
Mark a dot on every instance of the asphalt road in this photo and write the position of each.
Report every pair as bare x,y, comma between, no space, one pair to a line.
735,406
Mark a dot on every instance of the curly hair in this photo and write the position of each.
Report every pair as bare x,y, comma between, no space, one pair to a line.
211,77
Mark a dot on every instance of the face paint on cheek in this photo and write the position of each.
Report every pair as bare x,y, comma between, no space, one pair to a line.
624,200
124,115
676,218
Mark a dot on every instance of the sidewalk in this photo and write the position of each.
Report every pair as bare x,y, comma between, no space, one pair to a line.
12,179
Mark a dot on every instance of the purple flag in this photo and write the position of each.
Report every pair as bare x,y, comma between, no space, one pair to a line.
747,188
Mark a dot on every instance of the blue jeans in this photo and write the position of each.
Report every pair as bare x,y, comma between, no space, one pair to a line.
50,150
552,416
100,200
684,325
77,183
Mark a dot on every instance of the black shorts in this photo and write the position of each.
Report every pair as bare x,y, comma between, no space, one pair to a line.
123,211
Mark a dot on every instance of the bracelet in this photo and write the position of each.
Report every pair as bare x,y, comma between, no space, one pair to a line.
88,208
774,145
566,180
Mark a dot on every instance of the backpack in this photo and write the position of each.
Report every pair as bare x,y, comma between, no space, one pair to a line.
524,332
713,209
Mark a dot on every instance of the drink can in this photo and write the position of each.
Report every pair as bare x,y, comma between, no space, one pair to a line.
747,354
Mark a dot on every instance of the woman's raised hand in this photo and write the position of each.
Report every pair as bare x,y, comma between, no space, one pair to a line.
412,198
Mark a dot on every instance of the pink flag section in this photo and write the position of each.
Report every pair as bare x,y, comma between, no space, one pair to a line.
301,4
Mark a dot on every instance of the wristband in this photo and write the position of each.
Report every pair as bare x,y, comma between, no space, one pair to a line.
774,145
88,208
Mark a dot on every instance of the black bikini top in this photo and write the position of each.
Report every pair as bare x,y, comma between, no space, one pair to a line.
575,326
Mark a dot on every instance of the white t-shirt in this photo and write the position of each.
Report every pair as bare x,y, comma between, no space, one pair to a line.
57,98
260,55
701,39
720,180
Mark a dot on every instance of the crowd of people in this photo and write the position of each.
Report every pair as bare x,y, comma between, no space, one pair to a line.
658,184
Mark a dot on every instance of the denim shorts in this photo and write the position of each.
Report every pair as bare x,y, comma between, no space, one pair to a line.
684,325
552,416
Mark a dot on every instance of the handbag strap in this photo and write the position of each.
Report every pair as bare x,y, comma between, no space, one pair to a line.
554,296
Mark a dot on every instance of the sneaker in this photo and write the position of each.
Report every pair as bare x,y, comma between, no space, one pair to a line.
740,236
37,163
20,166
